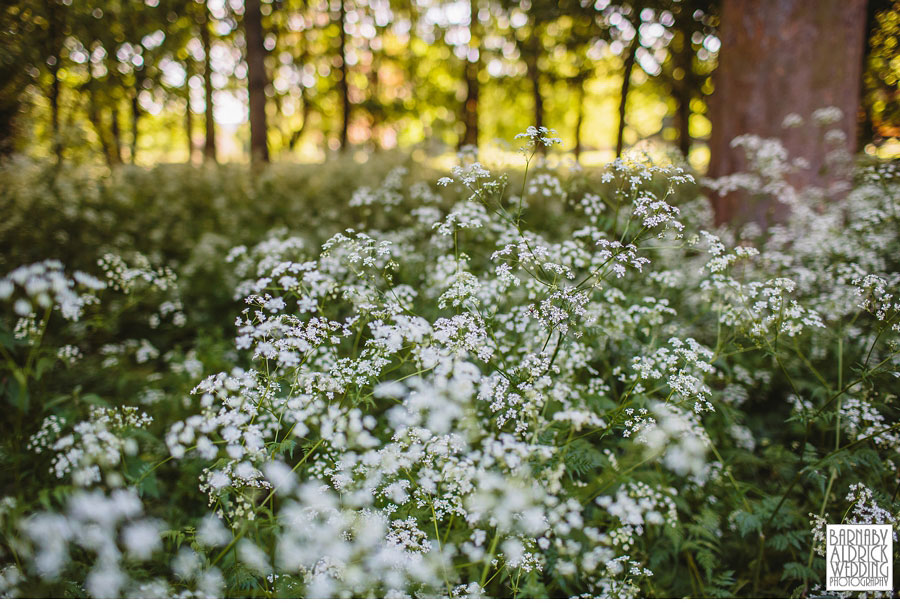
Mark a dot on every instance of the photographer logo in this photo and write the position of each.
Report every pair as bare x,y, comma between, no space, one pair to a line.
859,557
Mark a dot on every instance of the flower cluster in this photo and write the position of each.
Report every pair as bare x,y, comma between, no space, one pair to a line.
46,286
92,446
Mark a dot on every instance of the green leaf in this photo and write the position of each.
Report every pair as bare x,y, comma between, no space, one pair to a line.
747,523
95,400
797,571
43,364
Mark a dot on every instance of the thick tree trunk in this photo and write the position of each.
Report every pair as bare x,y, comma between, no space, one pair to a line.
780,57
344,85
209,146
623,95
470,72
256,80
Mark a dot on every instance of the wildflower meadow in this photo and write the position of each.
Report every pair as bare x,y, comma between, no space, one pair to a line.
397,380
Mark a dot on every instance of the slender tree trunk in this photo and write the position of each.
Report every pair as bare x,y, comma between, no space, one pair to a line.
534,77
780,57
116,135
298,133
209,146
135,118
54,27
256,80
54,111
470,108
580,119
538,99
683,58
376,111
189,128
532,52
188,113
344,85
471,71
96,120
623,95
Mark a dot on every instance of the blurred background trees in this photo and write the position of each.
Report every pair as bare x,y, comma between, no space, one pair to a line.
145,81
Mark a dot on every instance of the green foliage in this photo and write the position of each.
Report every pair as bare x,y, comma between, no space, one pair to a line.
704,412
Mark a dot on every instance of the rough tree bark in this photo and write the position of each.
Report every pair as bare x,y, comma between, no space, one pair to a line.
256,80
780,57
209,146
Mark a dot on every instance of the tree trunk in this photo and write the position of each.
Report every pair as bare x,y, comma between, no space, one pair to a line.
532,49
54,111
256,80
683,59
116,135
470,72
579,121
135,117
54,31
96,120
188,114
344,86
623,95
298,133
470,107
209,146
189,128
299,61
780,57
534,76
377,110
